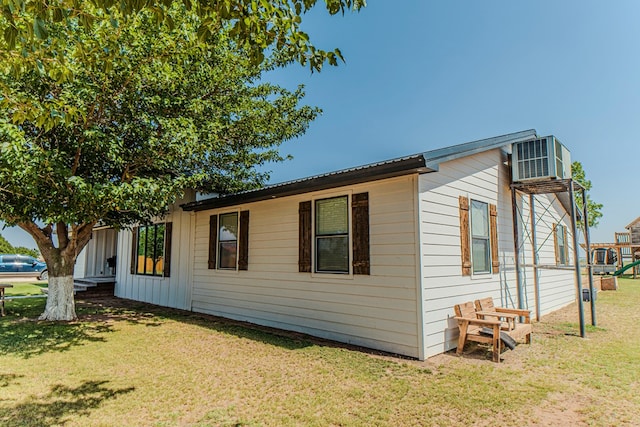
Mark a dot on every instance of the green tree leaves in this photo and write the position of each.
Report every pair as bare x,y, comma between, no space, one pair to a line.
259,26
109,109
593,208
126,118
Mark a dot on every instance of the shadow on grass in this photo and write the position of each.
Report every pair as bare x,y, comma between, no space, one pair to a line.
6,379
155,316
21,334
24,336
568,329
61,402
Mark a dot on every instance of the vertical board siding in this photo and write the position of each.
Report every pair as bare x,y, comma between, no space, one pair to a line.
170,291
93,258
377,310
483,177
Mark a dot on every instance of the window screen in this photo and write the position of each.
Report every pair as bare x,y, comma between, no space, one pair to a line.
332,235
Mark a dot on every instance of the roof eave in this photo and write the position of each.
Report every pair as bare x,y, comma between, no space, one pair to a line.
441,155
634,222
391,169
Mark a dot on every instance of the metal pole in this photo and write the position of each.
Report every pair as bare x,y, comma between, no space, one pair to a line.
574,231
516,239
592,291
536,280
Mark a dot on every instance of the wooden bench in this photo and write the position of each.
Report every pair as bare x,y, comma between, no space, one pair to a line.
508,316
485,326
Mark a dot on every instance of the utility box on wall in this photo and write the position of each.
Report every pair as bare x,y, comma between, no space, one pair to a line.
539,159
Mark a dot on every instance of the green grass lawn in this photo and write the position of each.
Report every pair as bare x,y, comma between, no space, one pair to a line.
25,288
139,365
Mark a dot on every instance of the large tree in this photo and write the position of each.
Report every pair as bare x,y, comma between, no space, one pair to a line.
127,113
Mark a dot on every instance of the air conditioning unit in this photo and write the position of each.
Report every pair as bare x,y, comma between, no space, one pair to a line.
539,159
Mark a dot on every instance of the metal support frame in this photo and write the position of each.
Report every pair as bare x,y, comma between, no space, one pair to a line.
516,242
546,187
534,248
585,215
577,263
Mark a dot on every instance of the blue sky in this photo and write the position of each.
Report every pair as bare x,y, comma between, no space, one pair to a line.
421,75
424,74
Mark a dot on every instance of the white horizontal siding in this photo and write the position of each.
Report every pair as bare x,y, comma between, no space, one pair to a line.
378,311
556,286
444,286
483,177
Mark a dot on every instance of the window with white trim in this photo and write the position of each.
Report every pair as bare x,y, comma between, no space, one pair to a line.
228,241
562,249
331,240
480,238
332,235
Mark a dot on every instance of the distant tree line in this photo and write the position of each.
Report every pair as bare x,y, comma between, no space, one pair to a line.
8,248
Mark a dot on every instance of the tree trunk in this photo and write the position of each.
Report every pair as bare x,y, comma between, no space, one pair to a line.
60,301
61,262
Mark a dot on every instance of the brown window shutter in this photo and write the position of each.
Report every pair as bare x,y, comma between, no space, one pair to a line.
360,228
243,241
465,246
493,229
304,238
213,240
134,250
168,228
555,243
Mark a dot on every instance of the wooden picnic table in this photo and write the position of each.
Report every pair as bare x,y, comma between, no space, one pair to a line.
3,286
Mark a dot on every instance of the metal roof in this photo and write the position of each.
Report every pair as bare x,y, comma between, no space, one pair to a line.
425,162
366,173
435,157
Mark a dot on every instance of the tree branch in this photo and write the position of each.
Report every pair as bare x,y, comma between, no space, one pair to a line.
82,236
42,236
63,235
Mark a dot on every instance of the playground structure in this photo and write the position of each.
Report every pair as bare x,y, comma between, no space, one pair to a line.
608,258
604,260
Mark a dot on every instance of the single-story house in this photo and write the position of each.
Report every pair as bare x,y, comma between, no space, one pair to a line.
375,256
